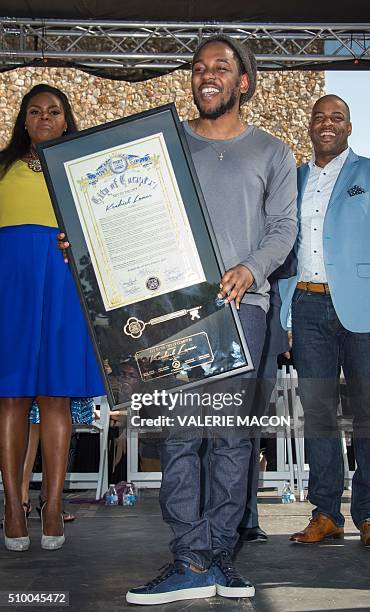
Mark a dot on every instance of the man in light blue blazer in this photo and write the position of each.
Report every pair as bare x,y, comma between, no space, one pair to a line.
330,306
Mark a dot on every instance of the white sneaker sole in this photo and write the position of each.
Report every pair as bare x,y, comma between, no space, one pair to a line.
161,598
225,591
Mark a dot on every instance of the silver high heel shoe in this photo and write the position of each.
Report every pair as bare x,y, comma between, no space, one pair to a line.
16,544
51,542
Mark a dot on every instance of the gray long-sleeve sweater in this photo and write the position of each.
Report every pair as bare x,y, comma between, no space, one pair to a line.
251,200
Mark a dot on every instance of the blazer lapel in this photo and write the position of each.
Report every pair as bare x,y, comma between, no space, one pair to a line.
302,178
345,177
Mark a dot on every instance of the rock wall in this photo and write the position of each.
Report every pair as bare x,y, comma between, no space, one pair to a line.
281,105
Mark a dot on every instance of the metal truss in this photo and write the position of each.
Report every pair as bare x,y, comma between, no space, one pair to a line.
133,49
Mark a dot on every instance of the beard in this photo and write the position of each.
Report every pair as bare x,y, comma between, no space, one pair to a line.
220,110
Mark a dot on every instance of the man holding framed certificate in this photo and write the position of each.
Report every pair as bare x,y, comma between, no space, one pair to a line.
248,179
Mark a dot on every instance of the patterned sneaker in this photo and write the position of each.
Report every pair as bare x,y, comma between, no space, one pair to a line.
229,583
176,582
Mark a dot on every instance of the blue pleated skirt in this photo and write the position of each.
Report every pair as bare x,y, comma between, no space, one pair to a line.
45,348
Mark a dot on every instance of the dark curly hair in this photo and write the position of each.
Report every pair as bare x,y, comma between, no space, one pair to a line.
19,144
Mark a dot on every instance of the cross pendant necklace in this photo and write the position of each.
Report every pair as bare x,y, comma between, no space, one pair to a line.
221,154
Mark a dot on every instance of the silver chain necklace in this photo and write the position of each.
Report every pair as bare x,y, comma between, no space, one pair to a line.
220,154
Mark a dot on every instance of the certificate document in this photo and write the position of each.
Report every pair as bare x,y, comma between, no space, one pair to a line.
143,255
134,222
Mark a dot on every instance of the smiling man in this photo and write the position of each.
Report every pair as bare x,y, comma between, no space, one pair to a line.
248,179
331,317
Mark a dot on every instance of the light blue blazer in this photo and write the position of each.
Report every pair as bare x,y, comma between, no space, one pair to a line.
346,237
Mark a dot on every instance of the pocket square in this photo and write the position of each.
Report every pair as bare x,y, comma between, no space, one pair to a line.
356,190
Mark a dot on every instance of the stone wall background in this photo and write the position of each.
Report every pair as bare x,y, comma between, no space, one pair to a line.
281,106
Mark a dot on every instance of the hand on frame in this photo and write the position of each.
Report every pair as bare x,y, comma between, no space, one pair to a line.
63,245
234,283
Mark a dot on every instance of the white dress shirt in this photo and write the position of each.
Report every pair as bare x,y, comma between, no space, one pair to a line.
320,185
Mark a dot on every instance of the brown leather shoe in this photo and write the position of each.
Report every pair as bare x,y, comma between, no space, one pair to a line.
319,528
364,528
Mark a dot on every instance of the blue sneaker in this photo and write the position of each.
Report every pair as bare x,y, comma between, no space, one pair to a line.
176,582
229,583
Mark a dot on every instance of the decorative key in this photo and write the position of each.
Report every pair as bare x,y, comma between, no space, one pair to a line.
134,327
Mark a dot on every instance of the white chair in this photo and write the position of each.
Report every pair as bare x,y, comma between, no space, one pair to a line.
284,454
87,480
302,469
83,480
297,415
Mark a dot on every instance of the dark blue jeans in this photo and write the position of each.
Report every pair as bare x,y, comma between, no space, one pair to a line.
267,379
199,535
321,347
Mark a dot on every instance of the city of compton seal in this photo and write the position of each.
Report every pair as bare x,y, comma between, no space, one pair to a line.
118,164
153,283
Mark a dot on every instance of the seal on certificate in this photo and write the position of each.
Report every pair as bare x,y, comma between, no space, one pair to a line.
118,164
153,283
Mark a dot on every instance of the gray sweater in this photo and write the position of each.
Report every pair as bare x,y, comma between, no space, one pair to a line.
251,200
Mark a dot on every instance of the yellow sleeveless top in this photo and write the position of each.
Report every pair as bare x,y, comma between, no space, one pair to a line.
24,198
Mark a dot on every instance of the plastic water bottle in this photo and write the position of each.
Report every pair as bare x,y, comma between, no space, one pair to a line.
287,496
111,497
129,496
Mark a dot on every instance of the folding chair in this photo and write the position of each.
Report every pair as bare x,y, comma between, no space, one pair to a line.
101,426
284,454
297,415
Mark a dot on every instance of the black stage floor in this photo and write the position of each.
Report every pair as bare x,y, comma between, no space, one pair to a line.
110,549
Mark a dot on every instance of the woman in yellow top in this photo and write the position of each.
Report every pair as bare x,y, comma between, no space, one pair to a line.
45,351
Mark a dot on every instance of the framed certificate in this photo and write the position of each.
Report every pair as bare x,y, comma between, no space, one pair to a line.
143,255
